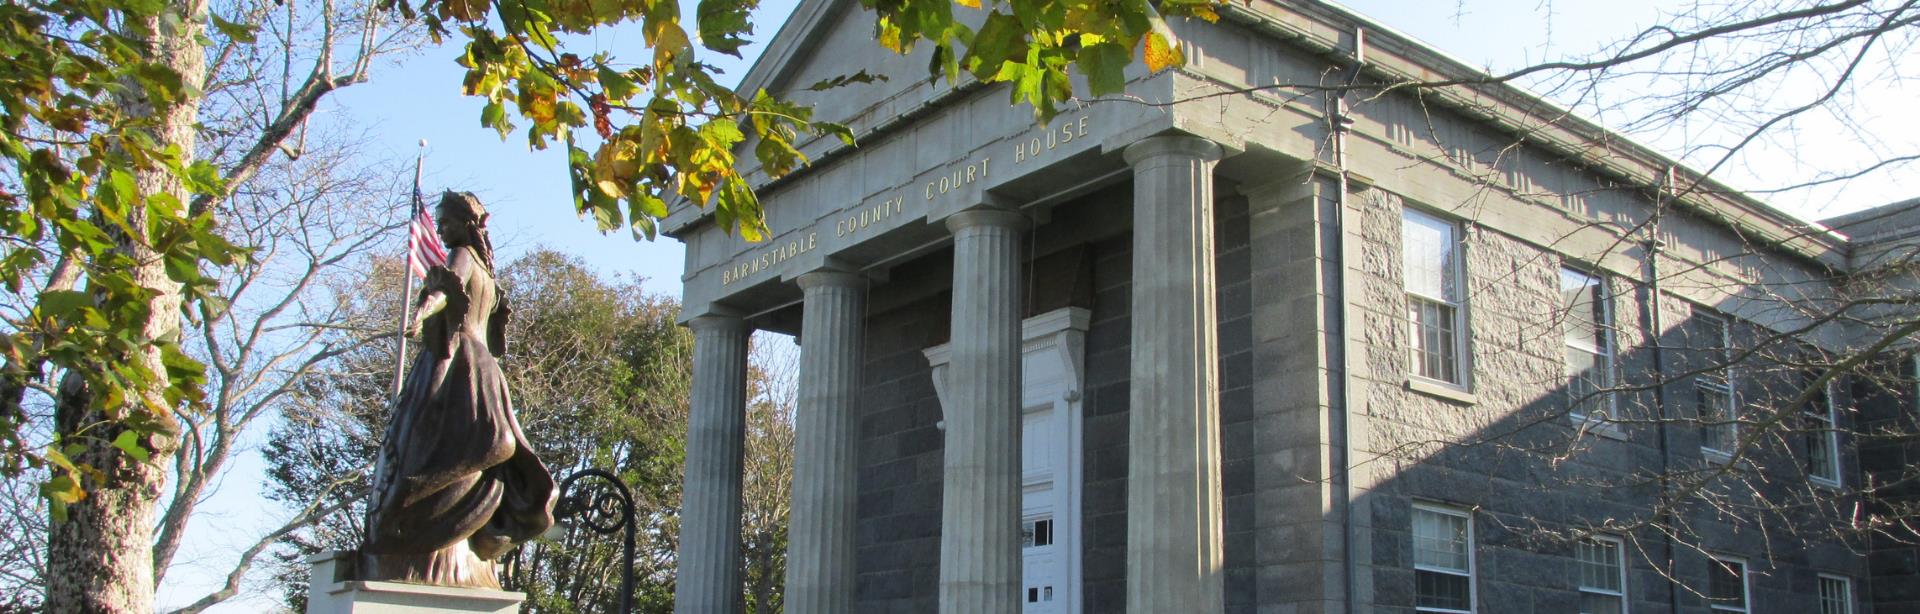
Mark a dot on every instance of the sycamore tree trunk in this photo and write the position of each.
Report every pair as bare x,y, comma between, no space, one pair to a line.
100,559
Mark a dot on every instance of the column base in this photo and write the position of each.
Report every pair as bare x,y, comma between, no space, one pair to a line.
333,589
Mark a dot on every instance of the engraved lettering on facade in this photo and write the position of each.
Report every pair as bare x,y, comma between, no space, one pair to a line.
952,179
766,259
1052,137
959,177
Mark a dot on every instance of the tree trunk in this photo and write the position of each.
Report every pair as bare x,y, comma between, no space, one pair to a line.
100,559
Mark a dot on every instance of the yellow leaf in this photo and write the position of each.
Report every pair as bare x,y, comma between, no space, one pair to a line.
1162,53
972,4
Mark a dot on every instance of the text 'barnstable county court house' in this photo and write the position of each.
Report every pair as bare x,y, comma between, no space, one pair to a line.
1279,350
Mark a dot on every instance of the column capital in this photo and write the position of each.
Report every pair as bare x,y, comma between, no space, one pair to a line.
1171,144
986,216
830,278
717,322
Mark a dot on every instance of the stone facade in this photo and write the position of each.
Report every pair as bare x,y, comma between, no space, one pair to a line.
1274,284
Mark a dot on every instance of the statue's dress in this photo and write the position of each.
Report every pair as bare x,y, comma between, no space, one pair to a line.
456,483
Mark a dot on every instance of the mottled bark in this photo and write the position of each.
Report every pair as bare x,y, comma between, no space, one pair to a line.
100,559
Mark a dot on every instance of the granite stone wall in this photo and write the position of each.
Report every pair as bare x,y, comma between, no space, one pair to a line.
1505,449
900,448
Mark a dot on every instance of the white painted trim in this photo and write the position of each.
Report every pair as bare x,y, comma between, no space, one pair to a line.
1057,335
1746,586
1473,560
1832,437
1620,557
1852,605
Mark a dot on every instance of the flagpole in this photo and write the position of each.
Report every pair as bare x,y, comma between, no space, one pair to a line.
406,275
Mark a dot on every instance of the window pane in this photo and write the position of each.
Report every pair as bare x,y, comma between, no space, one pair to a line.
1587,377
1439,540
1727,584
1427,255
1820,452
1836,597
1442,590
1591,603
1585,320
1717,429
1599,565
1818,436
1434,339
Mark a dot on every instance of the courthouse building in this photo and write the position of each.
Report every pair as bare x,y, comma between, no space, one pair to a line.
1213,347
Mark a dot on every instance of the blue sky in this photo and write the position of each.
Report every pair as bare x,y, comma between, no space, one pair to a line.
418,98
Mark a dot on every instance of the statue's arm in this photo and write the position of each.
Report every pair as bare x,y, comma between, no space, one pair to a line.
430,303
441,280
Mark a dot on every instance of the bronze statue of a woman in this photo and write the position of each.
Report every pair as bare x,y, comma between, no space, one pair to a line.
456,483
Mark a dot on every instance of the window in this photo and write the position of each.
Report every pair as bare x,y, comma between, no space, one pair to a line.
1727,585
1430,252
1036,533
1836,595
1442,560
1603,579
1588,327
1915,389
1713,392
1822,441
1719,433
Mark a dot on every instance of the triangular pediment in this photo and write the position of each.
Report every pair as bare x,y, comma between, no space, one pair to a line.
829,39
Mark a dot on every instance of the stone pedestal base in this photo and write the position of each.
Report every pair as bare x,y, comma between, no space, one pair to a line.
334,589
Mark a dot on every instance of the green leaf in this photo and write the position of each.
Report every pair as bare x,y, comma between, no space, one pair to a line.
616,85
202,177
1000,39
143,8
63,303
839,130
723,24
239,33
181,367
844,80
721,133
129,442
1105,65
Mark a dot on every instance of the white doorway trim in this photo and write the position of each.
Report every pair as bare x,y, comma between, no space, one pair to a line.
1053,371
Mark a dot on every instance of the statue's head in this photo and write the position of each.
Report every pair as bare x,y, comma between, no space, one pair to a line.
462,217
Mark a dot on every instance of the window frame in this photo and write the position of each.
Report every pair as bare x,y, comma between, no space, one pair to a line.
1847,605
1456,249
1831,438
1620,565
1473,562
1606,357
1721,382
1913,384
1746,585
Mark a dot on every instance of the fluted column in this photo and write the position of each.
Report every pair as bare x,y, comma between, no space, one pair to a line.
820,544
980,508
1173,457
709,577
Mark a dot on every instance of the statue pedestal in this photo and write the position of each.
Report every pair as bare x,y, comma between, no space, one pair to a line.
334,588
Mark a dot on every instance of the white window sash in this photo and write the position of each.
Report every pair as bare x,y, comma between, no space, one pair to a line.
1830,437
1746,588
1730,420
1620,568
1473,588
1846,593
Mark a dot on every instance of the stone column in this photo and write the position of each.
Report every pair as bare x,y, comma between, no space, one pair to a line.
820,568
709,577
980,508
1173,459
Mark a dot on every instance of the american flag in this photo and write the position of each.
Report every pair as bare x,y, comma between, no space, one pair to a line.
423,241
